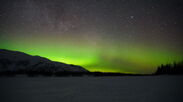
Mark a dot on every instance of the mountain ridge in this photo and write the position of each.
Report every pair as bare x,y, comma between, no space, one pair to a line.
15,61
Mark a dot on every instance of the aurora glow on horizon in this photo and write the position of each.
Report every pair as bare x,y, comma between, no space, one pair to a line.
101,35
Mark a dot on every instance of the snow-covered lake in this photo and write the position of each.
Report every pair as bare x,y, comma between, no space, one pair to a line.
92,89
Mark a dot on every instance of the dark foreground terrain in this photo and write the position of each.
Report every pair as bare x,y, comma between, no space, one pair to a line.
161,88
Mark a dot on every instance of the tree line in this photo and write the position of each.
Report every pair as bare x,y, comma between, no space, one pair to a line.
174,68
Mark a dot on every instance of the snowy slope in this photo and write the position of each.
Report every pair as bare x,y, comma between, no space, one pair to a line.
14,60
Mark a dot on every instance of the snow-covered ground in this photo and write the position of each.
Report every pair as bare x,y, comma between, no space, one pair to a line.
92,89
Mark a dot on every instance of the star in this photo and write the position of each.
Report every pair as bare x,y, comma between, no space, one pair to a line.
132,17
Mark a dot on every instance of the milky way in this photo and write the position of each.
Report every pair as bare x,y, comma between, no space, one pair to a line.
133,36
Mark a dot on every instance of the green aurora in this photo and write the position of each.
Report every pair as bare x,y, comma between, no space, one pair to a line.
106,57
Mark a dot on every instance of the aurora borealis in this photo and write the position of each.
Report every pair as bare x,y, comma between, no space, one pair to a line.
132,36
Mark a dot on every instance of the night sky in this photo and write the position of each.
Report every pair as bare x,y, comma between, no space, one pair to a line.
132,36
